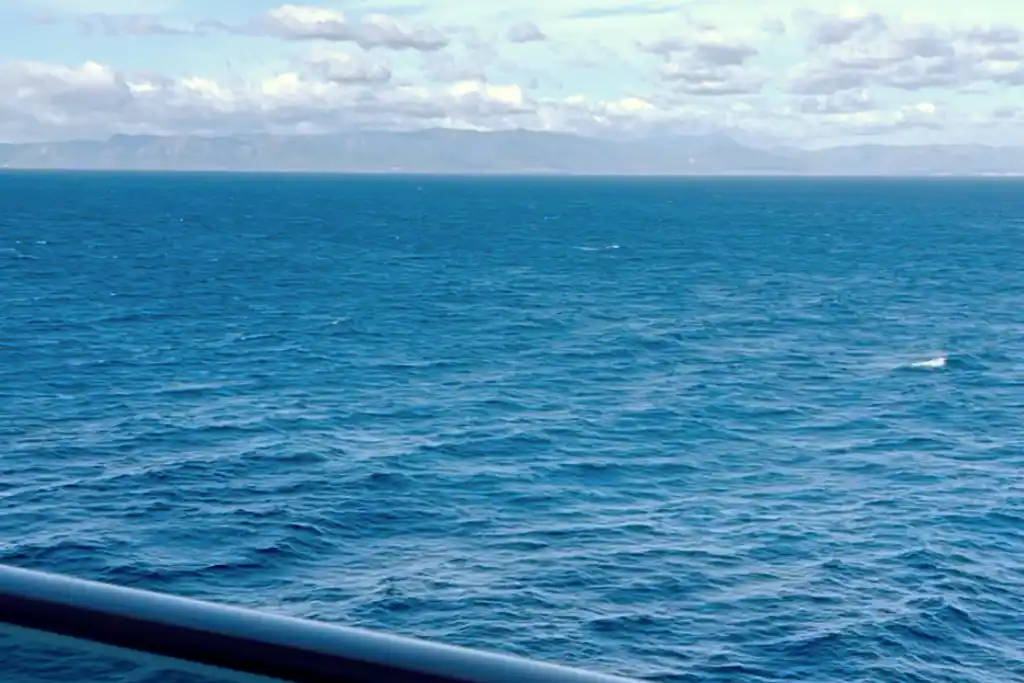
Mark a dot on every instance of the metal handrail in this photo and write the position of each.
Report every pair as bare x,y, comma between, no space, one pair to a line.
252,642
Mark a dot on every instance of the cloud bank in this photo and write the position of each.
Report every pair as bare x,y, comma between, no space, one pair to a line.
789,73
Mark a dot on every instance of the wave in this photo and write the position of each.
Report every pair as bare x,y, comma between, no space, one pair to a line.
936,363
607,247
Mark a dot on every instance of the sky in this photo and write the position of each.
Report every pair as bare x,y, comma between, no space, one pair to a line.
807,73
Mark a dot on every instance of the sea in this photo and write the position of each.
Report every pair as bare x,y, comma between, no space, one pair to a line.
678,429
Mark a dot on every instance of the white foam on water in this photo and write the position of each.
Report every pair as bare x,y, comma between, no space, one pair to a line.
931,363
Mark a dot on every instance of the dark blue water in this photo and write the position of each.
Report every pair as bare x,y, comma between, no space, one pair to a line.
670,429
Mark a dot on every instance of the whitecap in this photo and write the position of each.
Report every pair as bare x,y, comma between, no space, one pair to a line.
932,363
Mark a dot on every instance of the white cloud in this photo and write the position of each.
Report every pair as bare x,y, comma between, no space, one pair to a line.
704,61
848,23
526,32
794,69
878,122
708,48
913,57
343,67
1004,115
844,102
696,79
98,6
306,22
113,25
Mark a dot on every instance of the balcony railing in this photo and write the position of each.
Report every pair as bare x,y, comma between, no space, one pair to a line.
53,614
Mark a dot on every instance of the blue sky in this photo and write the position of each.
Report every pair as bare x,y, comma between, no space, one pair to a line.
802,72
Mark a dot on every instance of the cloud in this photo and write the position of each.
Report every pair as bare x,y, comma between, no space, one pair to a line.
1003,119
56,97
115,25
707,63
699,80
343,67
707,49
912,57
1008,113
923,115
442,67
80,7
631,9
845,102
331,92
614,69
340,91
995,35
526,32
839,28
305,22
775,27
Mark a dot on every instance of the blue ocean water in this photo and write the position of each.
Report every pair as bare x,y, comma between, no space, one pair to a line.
686,430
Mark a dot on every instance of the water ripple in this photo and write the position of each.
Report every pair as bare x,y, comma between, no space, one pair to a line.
690,431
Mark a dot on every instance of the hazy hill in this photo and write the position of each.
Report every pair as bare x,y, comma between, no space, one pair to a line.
453,151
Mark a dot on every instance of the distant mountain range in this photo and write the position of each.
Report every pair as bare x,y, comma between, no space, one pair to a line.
455,151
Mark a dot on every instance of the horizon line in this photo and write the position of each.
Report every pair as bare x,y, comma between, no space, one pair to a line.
560,175
777,146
